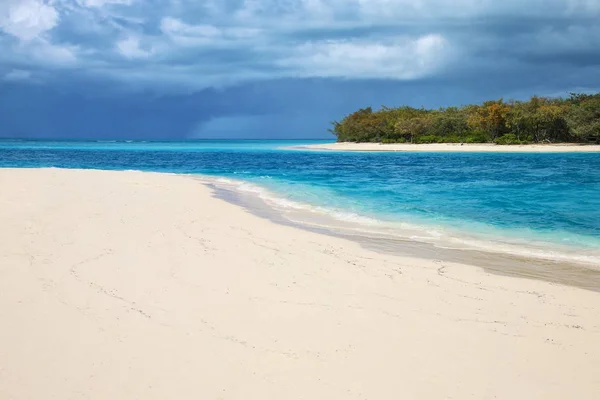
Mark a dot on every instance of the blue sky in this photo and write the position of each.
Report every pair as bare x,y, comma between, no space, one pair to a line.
174,69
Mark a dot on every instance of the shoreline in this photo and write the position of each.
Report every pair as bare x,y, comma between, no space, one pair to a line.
113,277
452,147
576,273
581,272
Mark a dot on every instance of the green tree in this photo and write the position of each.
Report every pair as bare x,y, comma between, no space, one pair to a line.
538,120
583,116
490,118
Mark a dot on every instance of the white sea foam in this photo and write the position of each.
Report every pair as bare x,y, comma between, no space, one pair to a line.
347,216
270,197
440,236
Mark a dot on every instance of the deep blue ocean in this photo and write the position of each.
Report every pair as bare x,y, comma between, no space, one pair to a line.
543,205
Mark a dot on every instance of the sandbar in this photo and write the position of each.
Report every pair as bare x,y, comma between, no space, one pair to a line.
453,147
133,285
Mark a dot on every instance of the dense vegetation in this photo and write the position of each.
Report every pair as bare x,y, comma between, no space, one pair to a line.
539,120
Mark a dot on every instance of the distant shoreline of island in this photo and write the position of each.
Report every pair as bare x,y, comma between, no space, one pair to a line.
453,147
541,120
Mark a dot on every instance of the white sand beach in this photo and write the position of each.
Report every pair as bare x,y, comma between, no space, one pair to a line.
454,147
132,285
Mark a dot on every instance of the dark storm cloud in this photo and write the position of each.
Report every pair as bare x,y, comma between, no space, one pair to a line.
131,68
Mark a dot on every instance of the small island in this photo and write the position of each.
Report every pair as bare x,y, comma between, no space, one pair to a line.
541,121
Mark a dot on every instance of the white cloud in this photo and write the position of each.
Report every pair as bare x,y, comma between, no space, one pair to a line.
405,58
131,48
213,41
29,22
189,35
202,34
173,26
101,3
44,53
49,53
17,75
377,12
27,19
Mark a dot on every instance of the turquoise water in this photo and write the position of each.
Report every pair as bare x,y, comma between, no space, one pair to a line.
541,205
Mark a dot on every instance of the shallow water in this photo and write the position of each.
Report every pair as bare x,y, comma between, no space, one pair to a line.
544,206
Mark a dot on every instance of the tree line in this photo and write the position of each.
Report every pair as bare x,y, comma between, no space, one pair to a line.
539,120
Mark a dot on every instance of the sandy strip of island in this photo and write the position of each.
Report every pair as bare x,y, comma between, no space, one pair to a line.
131,285
454,147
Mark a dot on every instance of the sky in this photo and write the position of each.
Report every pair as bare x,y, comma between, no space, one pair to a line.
205,69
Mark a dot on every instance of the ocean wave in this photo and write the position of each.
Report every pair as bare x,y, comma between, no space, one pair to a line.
442,236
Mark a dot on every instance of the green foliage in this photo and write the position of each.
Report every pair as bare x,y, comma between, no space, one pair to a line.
539,120
509,138
427,139
584,116
476,137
